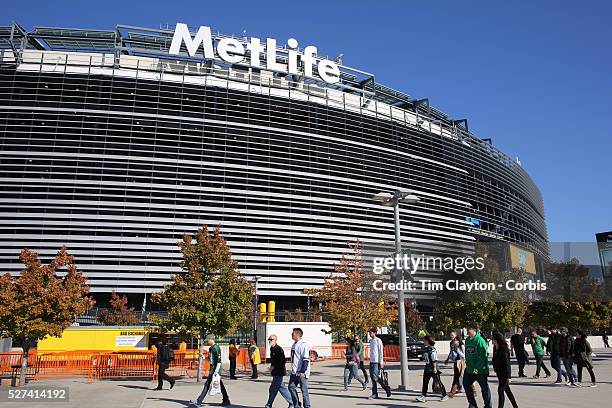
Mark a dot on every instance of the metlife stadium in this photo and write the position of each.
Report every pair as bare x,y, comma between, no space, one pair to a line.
115,143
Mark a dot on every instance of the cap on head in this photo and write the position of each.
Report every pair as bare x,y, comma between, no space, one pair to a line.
563,330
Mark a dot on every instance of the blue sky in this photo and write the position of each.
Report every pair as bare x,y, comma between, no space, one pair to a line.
535,76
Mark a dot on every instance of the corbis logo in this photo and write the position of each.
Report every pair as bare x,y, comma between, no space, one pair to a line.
234,51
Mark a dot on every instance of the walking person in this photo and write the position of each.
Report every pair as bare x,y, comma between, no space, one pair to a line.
604,337
233,355
477,366
431,371
254,357
517,347
377,363
164,357
503,369
359,347
552,348
300,368
583,356
352,362
457,356
538,346
214,355
566,352
278,372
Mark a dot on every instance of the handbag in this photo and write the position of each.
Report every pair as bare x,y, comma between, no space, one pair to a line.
383,378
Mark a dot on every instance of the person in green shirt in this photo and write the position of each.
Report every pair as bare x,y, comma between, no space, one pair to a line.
214,354
477,366
538,345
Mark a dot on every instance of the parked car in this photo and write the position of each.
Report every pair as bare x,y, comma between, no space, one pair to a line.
416,348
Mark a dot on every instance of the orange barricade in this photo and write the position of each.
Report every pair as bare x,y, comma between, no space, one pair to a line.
134,364
10,364
391,353
64,364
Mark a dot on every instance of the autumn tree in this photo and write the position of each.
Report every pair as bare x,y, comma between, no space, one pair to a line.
118,314
40,303
341,297
211,296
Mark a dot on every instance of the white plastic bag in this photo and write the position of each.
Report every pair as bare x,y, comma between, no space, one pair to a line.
215,385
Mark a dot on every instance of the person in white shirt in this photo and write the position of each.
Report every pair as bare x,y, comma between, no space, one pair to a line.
300,368
377,363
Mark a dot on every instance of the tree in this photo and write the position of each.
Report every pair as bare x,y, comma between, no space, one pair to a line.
341,296
492,309
40,303
572,299
118,314
211,297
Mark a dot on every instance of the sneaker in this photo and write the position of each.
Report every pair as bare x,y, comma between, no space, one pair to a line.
593,385
444,398
388,392
364,387
194,403
344,390
569,383
547,375
373,396
225,403
535,376
577,385
421,399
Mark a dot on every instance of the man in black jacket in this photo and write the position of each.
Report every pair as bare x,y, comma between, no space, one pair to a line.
163,362
517,347
552,348
566,352
278,372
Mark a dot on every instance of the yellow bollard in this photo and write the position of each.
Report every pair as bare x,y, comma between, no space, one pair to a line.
271,311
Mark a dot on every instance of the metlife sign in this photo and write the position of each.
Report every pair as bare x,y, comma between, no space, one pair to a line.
234,51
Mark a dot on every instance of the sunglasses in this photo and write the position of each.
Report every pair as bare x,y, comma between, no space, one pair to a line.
271,339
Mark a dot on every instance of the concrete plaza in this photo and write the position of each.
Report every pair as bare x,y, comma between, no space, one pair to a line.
325,390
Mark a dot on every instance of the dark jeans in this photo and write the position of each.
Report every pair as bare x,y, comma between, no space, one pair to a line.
436,379
555,362
207,387
504,387
350,371
275,387
456,377
294,380
589,369
521,359
540,365
482,380
568,363
363,370
254,375
375,376
232,361
161,375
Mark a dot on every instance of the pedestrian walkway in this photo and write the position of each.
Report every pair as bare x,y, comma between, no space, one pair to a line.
325,390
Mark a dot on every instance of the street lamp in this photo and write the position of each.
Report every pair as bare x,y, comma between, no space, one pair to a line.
255,311
393,200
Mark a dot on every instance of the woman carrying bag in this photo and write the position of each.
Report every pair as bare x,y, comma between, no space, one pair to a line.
352,363
255,357
431,371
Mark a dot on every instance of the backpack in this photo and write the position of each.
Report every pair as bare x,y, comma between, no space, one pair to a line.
167,354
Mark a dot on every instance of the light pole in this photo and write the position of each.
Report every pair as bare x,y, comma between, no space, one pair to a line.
393,200
255,311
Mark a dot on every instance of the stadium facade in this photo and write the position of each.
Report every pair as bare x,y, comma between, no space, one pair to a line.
115,146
